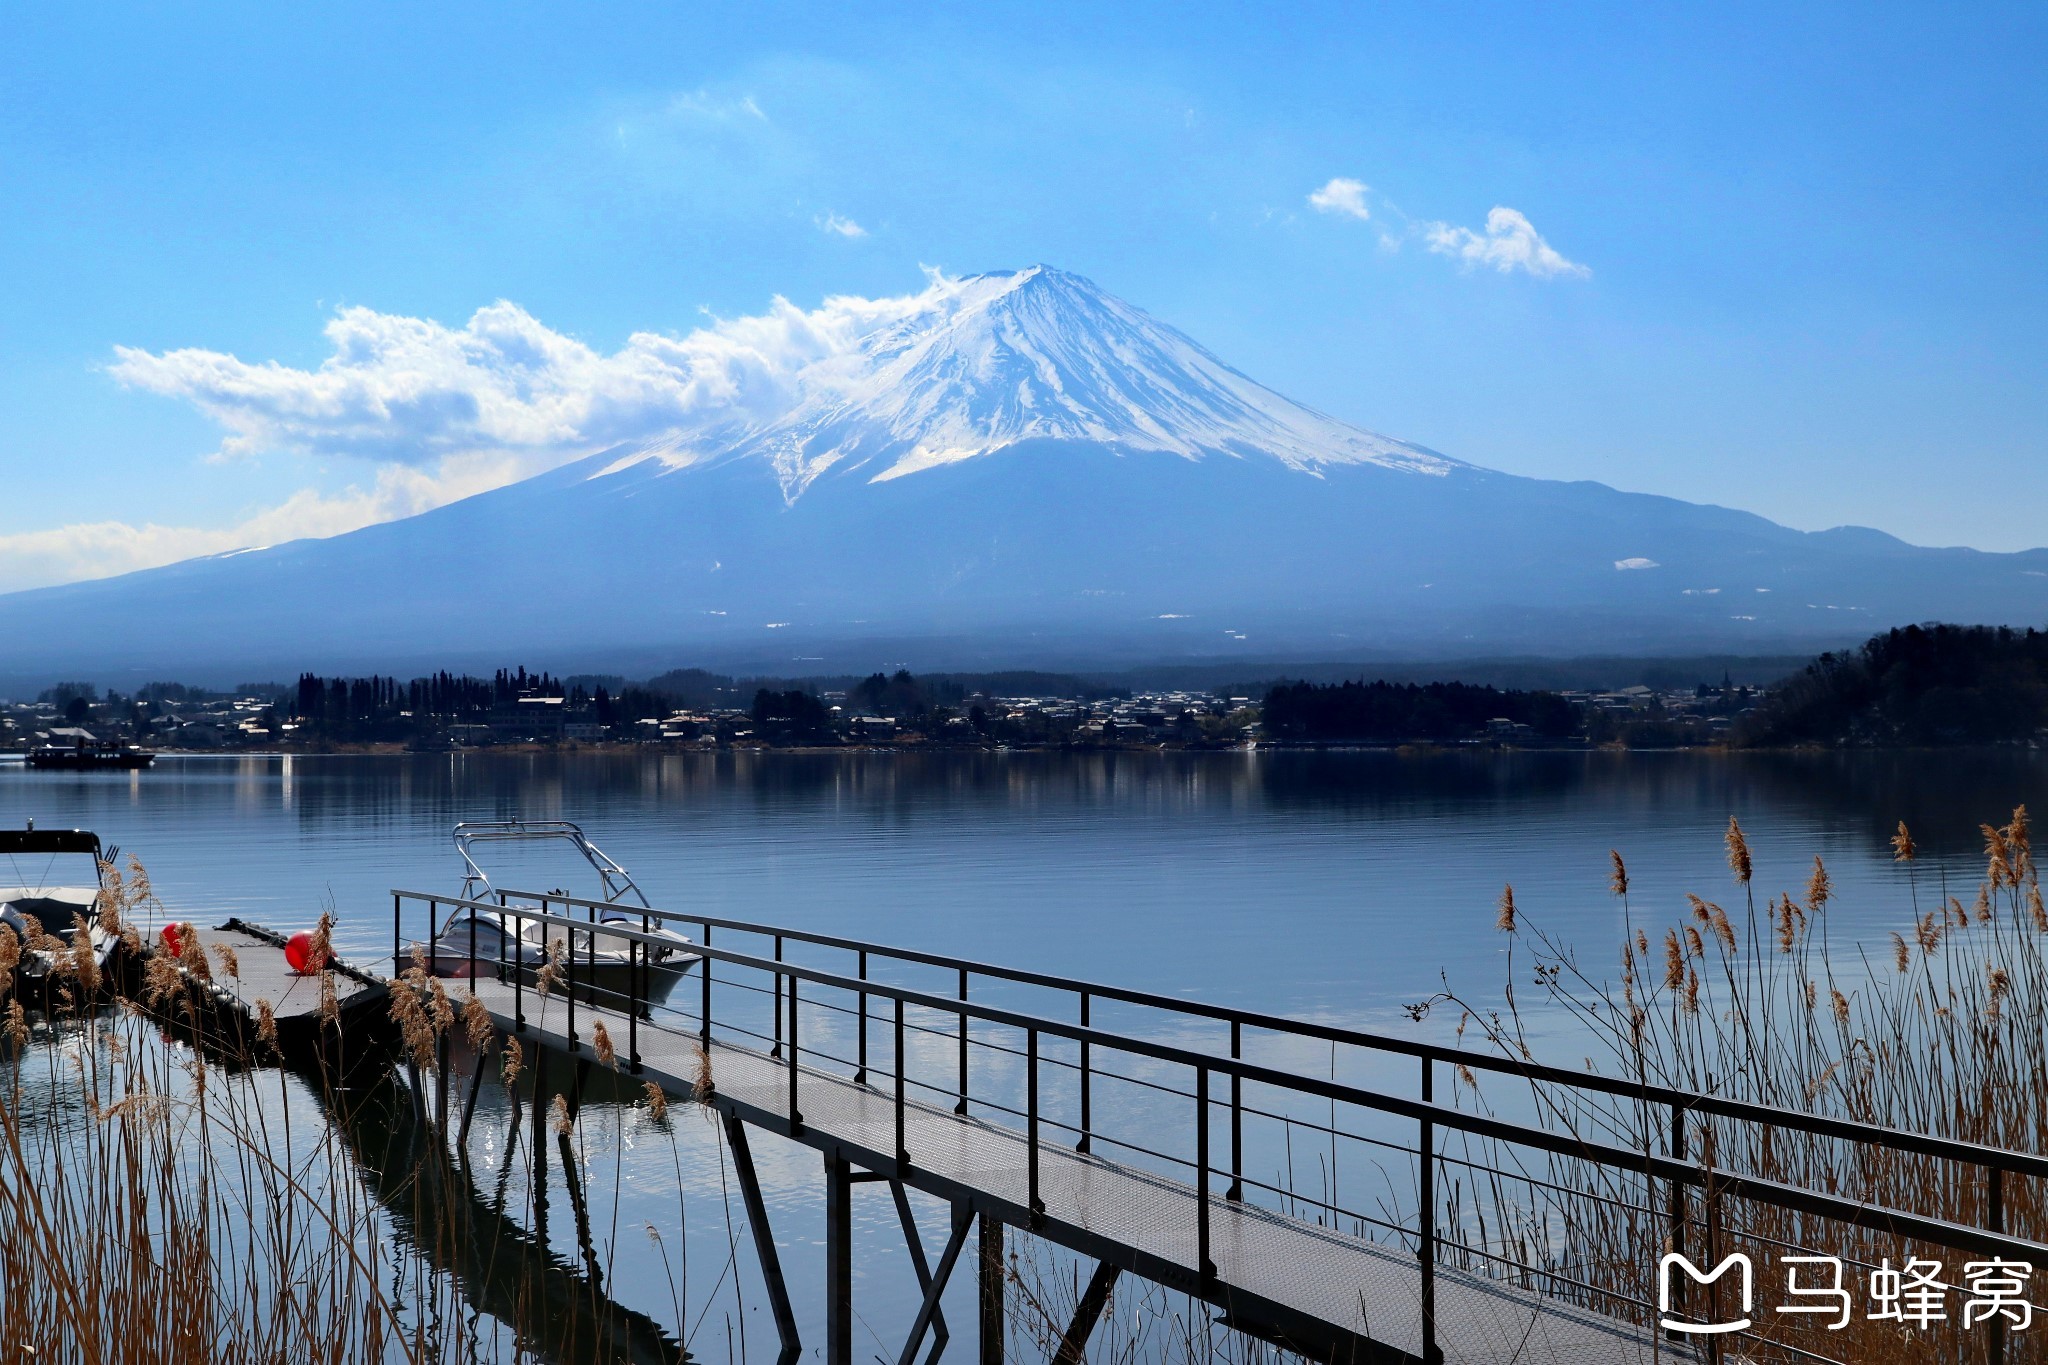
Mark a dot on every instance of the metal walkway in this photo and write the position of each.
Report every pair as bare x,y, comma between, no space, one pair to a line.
845,1062
1270,1270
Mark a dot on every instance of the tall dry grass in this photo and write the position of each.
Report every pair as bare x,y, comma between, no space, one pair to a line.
1940,1030
150,1208
171,1193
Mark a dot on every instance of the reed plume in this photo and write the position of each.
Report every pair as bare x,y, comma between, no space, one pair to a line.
1738,852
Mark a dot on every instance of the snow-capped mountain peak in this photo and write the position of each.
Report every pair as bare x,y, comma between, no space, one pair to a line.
991,361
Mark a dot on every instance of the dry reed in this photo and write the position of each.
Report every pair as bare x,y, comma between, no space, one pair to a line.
1942,1035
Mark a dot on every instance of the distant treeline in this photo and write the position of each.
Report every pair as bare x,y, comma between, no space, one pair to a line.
386,708
1932,684
1387,711
338,700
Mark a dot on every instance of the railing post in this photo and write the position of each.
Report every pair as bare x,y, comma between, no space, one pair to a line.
704,1019
776,1049
961,1106
1082,1145
860,1066
397,945
568,956
796,1118
1712,1203
636,994
1204,1267
902,1066
1236,1190
518,969
1425,1216
1676,1202
433,931
1674,1234
1034,1203
1995,1220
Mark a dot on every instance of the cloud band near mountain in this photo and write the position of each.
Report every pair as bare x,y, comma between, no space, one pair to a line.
431,413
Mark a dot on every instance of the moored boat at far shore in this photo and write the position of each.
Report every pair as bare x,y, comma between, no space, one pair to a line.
78,751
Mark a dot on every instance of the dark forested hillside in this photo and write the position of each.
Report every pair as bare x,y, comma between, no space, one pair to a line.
1402,711
1917,685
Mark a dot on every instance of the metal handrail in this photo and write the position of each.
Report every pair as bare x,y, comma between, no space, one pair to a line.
1819,1125
1896,1222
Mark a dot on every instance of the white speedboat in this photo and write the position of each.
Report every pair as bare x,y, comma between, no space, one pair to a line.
49,880
497,944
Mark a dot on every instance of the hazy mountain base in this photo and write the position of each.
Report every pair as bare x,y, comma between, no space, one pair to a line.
1049,555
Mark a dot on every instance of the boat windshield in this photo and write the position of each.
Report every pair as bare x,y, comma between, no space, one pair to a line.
52,875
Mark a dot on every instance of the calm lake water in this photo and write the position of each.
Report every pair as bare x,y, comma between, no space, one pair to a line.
1331,885
1337,884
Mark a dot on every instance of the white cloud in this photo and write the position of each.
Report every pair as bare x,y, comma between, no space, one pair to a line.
716,108
433,413
845,227
1342,196
99,549
1636,562
411,391
1509,243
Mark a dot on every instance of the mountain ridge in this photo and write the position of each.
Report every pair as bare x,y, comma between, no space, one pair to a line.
1018,467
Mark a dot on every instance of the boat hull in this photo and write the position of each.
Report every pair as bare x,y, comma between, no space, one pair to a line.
608,983
88,760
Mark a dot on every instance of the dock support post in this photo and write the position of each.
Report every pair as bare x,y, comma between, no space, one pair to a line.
1074,1345
764,1239
915,1245
838,1260
537,1145
441,1088
581,1208
476,1083
963,1218
416,1084
994,1279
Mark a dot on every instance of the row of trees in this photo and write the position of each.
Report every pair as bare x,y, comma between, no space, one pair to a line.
338,701
1934,684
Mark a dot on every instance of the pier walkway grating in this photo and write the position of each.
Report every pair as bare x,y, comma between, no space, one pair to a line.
1262,1258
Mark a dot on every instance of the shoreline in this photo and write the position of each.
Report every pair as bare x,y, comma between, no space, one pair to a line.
12,758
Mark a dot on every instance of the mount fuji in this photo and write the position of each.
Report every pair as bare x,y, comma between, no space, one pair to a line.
1023,470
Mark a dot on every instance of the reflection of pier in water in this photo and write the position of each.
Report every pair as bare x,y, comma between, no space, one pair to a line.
559,1310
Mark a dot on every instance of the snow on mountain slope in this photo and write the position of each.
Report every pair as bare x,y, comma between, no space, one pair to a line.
1037,354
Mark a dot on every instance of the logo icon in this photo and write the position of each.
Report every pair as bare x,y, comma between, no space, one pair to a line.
1665,1280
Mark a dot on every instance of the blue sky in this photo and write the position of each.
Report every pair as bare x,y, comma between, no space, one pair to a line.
1809,240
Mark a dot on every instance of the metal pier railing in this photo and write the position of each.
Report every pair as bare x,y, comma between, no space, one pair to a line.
898,1059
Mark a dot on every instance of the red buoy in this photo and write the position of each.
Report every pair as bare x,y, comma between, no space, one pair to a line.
300,955
173,944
